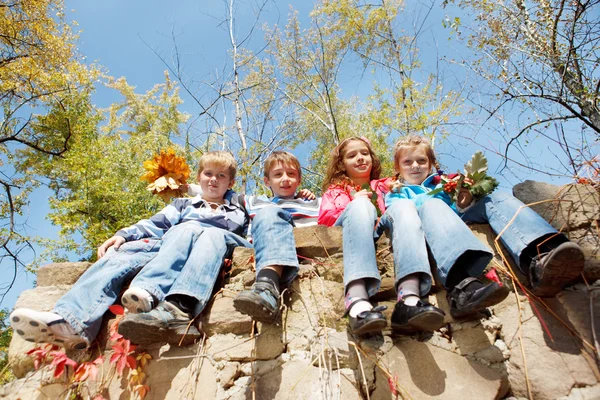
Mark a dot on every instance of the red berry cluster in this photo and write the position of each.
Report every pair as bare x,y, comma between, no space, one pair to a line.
450,186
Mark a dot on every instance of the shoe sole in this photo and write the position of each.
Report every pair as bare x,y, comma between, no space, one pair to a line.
556,276
33,330
249,303
495,295
134,303
427,321
374,326
145,333
141,332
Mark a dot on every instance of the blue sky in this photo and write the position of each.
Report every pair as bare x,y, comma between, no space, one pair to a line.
121,37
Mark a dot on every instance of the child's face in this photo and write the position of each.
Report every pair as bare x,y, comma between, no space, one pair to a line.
283,180
357,161
414,165
214,181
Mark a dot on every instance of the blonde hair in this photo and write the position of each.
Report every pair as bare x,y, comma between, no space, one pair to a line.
413,141
220,157
336,173
284,157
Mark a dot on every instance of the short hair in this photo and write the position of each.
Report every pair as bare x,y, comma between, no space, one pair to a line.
284,157
221,158
414,141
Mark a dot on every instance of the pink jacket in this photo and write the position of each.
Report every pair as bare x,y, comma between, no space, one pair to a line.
337,197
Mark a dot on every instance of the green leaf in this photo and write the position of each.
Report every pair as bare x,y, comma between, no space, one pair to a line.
478,164
436,191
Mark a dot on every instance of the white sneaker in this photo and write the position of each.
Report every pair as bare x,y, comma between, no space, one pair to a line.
137,300
45,327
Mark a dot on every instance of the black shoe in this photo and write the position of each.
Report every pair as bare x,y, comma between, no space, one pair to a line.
550,272
370,321
261,302
422,317
165,323
464,301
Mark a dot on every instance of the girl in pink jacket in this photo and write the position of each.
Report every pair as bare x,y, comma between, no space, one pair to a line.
349,187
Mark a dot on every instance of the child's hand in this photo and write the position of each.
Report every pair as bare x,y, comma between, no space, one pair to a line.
363,193
306,195
464,198
115,241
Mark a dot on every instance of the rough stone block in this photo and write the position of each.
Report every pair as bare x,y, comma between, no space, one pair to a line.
328,241
574,206
221,317
65,273
425,371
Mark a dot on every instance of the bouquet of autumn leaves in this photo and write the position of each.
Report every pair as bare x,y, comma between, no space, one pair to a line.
475,178
167,175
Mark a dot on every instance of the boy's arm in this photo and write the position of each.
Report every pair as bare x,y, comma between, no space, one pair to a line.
158,224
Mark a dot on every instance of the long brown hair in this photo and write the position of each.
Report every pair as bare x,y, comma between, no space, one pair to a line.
336,173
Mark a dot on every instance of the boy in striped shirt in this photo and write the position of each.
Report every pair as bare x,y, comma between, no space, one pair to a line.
273,221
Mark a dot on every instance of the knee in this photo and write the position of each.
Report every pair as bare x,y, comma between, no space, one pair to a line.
434,206
433,203
185,230
270,215
499,195
402,208
361,205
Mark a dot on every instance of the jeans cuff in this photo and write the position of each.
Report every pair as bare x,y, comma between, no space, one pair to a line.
75,323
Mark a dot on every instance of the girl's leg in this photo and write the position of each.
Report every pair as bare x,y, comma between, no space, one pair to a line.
358,223
560,261
460,258
498,209
403,224
411,264
454,247
361,275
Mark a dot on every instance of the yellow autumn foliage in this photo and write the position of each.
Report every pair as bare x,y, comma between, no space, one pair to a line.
166,172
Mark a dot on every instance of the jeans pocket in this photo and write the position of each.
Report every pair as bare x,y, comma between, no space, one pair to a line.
137,246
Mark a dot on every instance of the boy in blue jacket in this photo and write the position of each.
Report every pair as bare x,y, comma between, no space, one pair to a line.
179,251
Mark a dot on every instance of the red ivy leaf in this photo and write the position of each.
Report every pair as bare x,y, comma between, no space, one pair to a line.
87,370
392,384
492,275
61,361
120,357
117,309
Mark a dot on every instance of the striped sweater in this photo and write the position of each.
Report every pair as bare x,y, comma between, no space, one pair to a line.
229,216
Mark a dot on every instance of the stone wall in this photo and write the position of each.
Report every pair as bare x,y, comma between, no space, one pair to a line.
310,355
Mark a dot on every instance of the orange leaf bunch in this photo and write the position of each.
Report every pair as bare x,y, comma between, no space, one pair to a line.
166,172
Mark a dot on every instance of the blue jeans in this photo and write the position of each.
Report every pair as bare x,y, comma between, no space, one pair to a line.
187,260
449,238
358,222
436,224
497,209
274,243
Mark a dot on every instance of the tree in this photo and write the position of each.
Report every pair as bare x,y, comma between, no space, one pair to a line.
97,182
38,72
5,338
541,61
405,99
